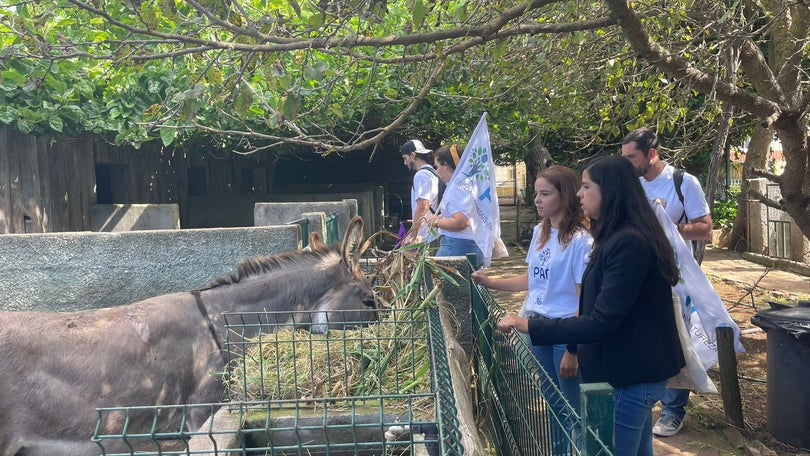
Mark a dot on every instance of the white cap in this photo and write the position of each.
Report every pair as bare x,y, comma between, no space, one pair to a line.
414,146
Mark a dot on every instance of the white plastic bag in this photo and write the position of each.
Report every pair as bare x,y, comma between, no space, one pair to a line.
499,249
693,375
701,306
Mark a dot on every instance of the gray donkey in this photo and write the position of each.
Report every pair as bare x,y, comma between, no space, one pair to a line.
57,368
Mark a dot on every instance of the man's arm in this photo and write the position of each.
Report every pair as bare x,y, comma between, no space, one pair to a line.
422,208
698,229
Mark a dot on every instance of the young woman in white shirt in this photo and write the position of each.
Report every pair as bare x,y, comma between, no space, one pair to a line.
557,257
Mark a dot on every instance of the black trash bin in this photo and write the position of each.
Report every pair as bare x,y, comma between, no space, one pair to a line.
788,332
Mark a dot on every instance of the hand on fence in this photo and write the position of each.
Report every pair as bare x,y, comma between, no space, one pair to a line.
512,321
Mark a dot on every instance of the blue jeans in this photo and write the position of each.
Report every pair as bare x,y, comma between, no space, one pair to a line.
450,246
549,357
632,412
674,402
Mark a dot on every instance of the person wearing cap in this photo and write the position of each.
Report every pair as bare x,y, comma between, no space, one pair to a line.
453,220
424,191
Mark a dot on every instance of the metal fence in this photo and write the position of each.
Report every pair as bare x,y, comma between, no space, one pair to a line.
778,229
304,224
332,232
527,413
382,388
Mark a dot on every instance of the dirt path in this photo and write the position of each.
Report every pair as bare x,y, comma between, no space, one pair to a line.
744,287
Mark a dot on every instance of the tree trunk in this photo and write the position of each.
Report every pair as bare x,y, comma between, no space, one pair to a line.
719,147
794,183
718,151
755,157
537,160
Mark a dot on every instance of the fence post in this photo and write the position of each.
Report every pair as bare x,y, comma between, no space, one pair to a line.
730,391
597,415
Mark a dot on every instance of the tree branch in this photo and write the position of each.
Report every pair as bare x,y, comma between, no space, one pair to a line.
681,69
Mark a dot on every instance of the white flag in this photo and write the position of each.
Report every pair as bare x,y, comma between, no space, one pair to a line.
474,179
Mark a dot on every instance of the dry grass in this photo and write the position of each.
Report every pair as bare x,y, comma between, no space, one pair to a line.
388,359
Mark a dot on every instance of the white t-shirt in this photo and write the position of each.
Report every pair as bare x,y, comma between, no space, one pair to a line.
425,186
458,202
555,273
663,187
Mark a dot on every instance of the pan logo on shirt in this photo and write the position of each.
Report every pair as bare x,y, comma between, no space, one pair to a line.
541,270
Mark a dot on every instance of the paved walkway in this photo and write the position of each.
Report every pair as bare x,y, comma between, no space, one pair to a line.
732,266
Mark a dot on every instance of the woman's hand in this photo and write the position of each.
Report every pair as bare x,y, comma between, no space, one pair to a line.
512,321
433,220
481,277
569,365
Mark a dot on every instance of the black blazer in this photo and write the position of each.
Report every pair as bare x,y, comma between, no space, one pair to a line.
626,329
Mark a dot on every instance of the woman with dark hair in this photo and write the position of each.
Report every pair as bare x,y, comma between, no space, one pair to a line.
557,257
626,325
453,221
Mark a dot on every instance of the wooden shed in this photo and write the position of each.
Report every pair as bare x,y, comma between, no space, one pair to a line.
50,183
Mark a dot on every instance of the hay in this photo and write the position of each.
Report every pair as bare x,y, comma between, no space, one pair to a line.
387,361
375,360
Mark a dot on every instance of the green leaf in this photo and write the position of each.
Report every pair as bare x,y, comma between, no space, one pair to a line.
56,123
167,135
419,13
290,105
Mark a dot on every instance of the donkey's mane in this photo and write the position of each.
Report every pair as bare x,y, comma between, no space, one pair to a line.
250,267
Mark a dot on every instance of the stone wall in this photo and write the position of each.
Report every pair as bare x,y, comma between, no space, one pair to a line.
84,270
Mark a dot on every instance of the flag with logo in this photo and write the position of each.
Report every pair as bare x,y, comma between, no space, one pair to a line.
474,179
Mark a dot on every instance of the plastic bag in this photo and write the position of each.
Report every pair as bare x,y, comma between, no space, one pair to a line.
701,307
693,376
499,249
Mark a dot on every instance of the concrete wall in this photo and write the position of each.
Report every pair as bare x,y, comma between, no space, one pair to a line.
134,217
232,211
281,213
83,270
370,204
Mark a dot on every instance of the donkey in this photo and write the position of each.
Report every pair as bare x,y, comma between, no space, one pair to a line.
57,368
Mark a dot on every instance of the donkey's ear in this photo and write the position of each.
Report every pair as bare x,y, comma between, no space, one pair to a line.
315,242
352,243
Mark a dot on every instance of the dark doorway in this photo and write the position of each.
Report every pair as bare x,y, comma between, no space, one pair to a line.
112,183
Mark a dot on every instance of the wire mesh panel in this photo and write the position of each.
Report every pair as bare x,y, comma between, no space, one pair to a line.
529,414
380,388
366,389
166,432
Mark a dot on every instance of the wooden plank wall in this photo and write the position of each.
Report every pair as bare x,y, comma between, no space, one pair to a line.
48,184
45,185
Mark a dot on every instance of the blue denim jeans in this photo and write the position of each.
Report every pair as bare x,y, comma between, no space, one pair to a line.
549,357
632,411
450,246
674,402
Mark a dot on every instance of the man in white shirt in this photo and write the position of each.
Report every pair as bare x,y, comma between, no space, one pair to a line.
425,189
694,220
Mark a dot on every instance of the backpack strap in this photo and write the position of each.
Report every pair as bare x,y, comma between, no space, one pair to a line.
677,176
442,186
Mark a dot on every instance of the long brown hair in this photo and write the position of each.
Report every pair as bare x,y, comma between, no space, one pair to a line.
566,181
625,206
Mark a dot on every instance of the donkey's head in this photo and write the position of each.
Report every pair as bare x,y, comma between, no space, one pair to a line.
351,302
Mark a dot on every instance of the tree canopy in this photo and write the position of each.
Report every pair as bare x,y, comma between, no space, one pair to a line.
343,75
